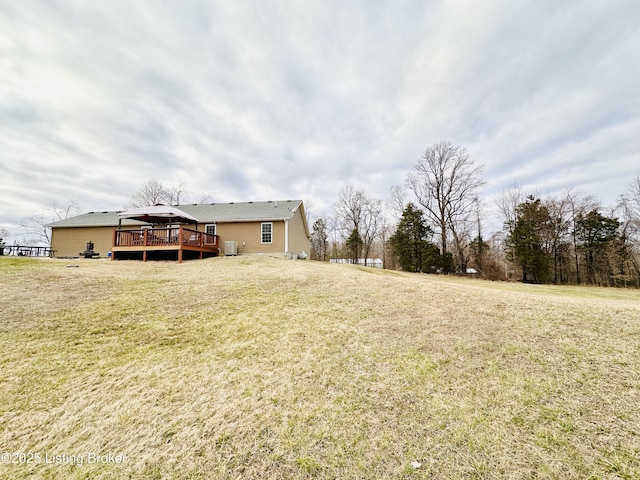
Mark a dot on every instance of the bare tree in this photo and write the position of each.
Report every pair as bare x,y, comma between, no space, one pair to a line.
174,193
372,222
631,199
629,237
445,182
560,212
334,230
349,208
4,234
204,198
63,211
36,226
36,230
154,192
151,192
630,207
578,205
310,213
508,202
461,234
357,212
397,202
320,240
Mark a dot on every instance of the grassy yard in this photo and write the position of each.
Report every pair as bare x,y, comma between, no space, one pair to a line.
263,368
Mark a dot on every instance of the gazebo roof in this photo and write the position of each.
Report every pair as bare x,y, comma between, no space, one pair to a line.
158,214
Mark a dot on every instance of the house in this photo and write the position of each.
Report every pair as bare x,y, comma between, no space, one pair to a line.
277,228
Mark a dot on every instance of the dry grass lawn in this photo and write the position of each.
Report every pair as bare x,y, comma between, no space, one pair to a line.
263,368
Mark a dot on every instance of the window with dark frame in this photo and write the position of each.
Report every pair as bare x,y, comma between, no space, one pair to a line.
267,229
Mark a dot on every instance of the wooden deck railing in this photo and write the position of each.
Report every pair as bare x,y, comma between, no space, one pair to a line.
169,237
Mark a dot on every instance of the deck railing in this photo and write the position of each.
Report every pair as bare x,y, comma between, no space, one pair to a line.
169,237
26,251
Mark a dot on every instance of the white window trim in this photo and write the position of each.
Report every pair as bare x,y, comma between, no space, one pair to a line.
262,233
215,228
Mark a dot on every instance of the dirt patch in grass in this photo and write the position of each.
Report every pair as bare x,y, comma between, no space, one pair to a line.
262,368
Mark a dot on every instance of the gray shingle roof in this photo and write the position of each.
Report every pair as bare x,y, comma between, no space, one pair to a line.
242,211
94,219
204,212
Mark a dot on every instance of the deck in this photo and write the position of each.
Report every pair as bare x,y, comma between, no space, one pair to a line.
151,242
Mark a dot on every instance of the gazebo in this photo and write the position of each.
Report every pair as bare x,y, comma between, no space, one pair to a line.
166,233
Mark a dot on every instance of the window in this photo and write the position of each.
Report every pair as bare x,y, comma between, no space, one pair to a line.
210,229
267,229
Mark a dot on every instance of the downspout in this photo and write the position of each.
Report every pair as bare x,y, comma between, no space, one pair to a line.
286,236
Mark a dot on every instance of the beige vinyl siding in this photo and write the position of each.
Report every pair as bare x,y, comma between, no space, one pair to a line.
251,234
69,242
298,239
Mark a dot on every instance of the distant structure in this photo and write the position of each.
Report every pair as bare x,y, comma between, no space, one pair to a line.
370,262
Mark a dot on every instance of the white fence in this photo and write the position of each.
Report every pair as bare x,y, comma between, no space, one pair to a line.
370,262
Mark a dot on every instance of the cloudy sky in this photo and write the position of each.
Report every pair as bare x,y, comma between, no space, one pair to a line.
260,100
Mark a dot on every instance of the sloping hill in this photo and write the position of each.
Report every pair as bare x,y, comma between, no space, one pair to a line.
263,368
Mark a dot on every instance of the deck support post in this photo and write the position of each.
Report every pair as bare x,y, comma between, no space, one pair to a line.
114,243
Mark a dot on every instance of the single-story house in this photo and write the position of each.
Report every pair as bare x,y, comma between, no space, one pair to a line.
277,228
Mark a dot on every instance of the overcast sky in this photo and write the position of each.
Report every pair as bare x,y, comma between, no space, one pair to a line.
262,100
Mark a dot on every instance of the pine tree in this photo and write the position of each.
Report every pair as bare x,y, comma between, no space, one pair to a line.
411,242
597,235
529,240
354,245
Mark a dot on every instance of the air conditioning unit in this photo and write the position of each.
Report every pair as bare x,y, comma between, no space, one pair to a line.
230,247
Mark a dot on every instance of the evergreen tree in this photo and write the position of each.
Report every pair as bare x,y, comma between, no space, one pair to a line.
479,248
529,240
411,242
354,245
597,235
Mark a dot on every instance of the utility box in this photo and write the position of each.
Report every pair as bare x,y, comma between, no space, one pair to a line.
230,247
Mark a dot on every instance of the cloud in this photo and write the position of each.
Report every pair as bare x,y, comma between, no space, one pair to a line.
287,99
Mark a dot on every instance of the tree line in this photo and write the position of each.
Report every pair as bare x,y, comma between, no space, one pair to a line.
434,224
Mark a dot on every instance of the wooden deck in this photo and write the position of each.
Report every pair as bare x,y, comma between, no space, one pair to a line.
175,239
